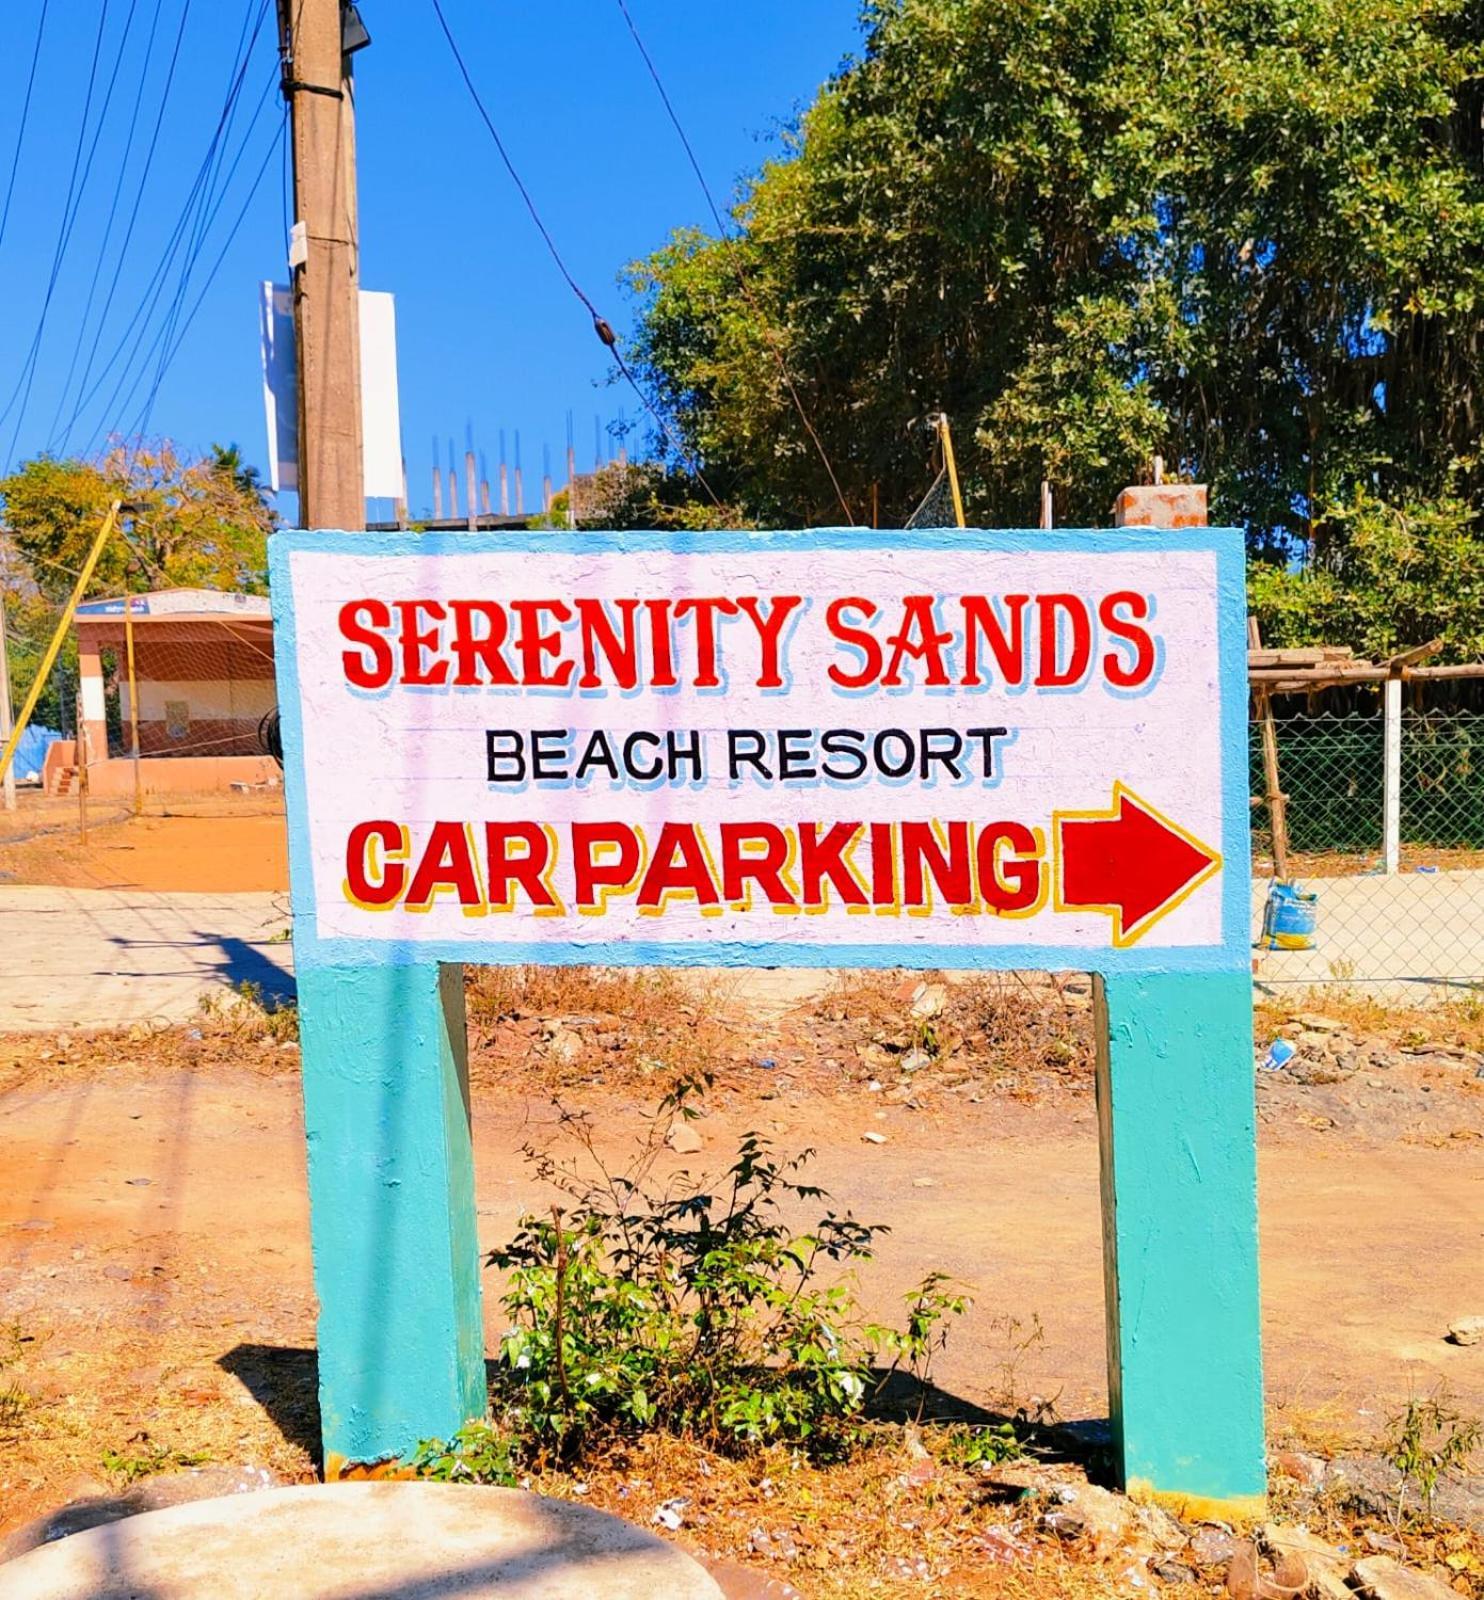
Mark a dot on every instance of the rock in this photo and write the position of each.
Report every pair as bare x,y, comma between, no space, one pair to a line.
1467,1330
564,1044
1382,1578
1382,1544
1212,1547
1316,1022
683,1138
1241,1572
1306,1562
874,1138
915,1060
1305,1469
737,1582
1092,1515
1165,1530
928,1000
150,1494
1172,1571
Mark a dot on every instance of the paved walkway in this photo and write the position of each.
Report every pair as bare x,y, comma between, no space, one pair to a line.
97,958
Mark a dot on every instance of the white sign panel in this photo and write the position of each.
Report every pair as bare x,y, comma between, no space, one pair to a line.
838,746
381,422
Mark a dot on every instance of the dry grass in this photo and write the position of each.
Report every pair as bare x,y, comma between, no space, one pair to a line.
1459,1023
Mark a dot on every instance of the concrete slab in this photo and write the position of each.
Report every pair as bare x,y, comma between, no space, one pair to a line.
1411,938
101,958
363,1541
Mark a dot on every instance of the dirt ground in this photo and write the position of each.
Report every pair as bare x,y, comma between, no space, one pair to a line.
155,1277
217,843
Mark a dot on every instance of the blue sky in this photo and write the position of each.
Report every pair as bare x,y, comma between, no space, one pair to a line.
489,335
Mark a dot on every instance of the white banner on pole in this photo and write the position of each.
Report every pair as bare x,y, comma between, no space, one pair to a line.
381,422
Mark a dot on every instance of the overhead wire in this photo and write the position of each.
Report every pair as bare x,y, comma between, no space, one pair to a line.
116,276
150,296
729,240
20,137
141,422
28,366
166,342
113,207
601,326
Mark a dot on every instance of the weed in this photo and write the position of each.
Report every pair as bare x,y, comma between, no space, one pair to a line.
1423,1441
984,1446
247,1013
478,1453
143,1457
929,1306
14,1404
691,1308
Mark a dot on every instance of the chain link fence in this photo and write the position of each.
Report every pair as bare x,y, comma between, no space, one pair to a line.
1398,915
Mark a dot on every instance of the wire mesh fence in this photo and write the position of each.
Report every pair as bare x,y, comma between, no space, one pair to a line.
1397,912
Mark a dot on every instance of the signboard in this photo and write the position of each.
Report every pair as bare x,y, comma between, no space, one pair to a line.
949,748
381,423
841,747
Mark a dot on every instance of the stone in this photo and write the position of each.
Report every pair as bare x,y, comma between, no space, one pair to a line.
1212,1547
94,1510
1467,1330
1092,1515
874,1138
1316,1022
1172,1571
737,1582
1383,1578
416,1540
683,1138
928,1000
1309,1563
1302,1468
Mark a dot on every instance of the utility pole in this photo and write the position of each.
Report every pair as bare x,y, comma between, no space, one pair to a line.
7,785
316,39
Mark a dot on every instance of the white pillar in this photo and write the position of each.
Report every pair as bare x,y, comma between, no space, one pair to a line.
1392,706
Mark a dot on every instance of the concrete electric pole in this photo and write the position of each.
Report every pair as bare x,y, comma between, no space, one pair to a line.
317,39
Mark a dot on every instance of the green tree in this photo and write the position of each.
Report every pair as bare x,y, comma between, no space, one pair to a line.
1249,238
184,523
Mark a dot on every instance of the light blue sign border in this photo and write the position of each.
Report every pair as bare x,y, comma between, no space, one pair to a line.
1226,544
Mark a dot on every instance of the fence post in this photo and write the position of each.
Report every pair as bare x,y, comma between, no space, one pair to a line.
1391,700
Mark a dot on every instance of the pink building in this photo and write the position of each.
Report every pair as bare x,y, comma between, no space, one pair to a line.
203,664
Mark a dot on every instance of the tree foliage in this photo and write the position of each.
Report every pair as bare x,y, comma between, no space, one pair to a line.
1247,237
184,523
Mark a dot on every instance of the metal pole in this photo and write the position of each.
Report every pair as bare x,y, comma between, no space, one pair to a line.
6,717
64,622
1391,699
81,730
133,703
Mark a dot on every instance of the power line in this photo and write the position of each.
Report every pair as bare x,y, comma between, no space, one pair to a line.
15,160
153,289
123,254
601,326
141,422
28,367
728,240
113,205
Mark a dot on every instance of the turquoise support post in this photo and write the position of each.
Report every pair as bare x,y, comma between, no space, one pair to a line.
391,1188
1177,1125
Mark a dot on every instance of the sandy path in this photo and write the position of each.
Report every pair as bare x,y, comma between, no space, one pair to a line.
1368,1253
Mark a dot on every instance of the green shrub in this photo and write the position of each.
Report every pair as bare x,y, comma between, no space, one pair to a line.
692,1306
478,1453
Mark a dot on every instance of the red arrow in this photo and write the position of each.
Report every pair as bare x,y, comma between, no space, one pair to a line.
1131,861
